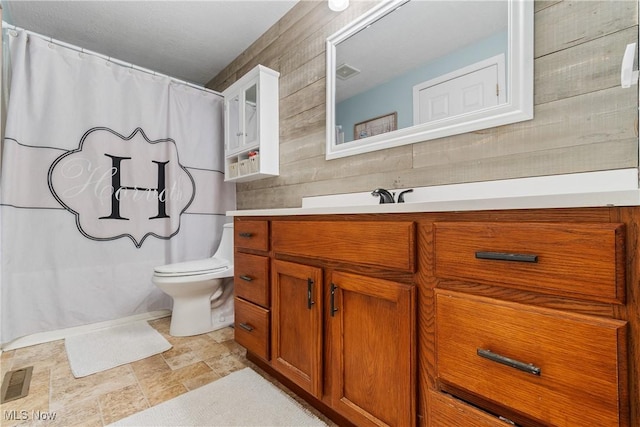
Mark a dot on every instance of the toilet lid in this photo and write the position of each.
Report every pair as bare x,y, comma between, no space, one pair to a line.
200,266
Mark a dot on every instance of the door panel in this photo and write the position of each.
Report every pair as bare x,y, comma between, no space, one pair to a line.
373,344
297,324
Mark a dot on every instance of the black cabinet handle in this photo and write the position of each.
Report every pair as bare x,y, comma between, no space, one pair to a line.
246,326
246,278
526,367
504,256
310,301
245,234
333,308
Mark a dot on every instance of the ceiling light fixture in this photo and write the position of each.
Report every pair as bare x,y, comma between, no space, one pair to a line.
338,5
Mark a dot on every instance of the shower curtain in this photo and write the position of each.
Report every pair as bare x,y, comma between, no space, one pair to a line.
107,171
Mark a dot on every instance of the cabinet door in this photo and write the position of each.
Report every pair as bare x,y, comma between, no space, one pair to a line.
373,350
251,115
296,334
234,131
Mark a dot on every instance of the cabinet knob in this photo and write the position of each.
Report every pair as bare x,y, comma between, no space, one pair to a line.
246,278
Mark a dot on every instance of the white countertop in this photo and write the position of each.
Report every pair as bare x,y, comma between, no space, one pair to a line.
590,189
611,198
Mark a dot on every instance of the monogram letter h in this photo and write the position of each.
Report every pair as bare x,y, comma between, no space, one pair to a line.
117,188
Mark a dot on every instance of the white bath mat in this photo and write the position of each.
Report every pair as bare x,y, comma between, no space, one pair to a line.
243,398
111,347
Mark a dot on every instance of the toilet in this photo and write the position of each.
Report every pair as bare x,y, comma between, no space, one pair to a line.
202,290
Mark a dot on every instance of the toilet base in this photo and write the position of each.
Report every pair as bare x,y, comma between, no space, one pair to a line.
194,316
213,326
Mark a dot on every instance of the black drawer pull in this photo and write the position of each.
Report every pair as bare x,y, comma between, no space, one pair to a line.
246,326
333,308
245,234
310,300
503,256
526,367
246,278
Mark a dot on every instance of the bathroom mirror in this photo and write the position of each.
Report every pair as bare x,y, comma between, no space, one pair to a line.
414,70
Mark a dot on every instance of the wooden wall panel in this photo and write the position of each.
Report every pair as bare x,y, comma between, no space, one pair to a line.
596,117
570,23
583,121
576,71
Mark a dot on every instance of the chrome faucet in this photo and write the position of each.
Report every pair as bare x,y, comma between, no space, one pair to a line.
385,196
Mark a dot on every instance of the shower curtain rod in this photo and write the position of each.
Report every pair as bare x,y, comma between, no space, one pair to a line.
107,58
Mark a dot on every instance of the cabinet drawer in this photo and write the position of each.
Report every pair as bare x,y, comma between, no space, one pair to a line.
252,235
582,359
384,244
252,278
583,260
447,411
252,328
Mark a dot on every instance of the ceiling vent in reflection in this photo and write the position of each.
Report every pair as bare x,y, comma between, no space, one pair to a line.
346,71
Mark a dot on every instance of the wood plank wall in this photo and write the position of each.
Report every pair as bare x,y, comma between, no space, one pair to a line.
583,120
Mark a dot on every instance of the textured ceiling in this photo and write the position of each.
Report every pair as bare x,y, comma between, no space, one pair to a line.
188,40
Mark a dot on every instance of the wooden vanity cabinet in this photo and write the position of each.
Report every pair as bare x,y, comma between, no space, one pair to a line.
417,318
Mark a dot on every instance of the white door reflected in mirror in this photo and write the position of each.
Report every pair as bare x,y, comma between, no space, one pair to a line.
476,87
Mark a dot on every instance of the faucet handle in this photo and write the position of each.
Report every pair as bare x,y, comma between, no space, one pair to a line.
401,195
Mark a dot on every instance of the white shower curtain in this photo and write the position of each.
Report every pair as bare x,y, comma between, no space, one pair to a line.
106,172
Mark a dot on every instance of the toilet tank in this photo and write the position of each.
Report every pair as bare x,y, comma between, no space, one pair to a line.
225,249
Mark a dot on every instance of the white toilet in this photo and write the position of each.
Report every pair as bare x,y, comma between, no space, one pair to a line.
202,290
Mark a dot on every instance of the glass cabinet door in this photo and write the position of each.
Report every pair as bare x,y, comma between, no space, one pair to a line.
234,135
251,114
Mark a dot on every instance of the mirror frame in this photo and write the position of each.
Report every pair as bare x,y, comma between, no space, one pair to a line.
519,75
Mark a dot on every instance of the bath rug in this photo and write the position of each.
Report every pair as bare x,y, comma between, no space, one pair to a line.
107,348
243,398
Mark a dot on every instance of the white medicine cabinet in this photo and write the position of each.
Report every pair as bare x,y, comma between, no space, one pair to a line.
251,136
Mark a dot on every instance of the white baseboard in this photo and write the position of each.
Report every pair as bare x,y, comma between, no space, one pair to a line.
59,334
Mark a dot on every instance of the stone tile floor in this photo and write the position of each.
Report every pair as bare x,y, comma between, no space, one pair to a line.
56,398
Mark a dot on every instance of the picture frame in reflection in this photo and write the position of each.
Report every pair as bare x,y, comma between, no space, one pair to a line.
376,126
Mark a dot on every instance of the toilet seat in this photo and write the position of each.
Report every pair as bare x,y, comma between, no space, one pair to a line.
192,268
